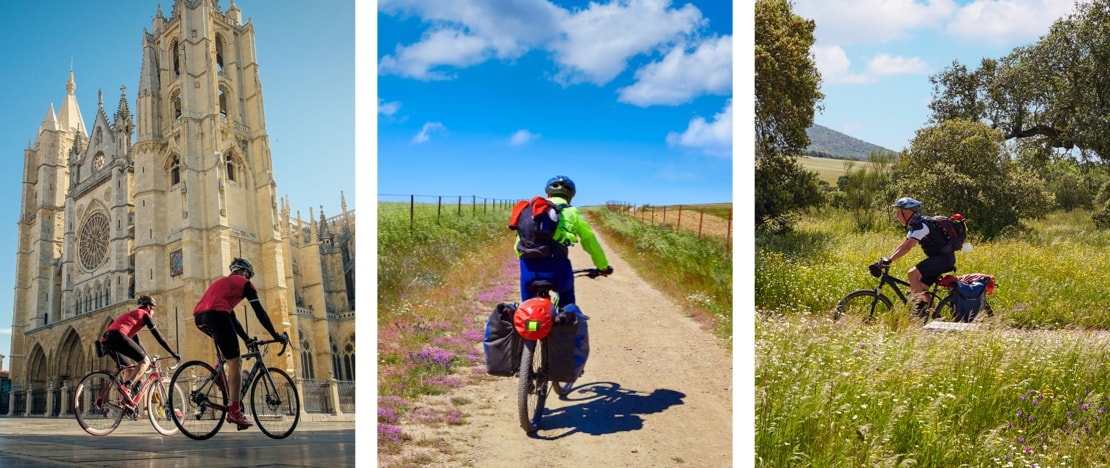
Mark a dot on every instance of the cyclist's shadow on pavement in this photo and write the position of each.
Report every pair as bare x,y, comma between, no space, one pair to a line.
599,408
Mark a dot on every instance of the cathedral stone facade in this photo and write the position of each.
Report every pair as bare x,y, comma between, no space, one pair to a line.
158,200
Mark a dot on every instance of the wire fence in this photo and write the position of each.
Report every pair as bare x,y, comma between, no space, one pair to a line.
435,208
705,221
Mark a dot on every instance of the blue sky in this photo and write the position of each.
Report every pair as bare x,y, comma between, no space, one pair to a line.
308,81
632,100
876,56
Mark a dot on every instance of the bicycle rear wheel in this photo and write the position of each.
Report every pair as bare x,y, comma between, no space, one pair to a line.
97,404
946,310
160,410
562,388
275,404
202,399
532,388
861,306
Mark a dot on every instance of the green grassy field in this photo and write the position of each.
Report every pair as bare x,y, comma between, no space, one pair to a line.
1031,387
827,169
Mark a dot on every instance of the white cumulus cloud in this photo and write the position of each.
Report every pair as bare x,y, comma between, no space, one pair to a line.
836,67
588,45
521,137
872,21
712,137
450,47
680,76
1002,22
598,41
388,108
426,131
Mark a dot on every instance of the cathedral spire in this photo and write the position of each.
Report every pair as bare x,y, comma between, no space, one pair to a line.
123,113
235,14
346,216
325,233
50,122
69,117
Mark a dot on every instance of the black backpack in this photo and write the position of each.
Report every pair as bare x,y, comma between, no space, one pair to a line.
953,229
535,222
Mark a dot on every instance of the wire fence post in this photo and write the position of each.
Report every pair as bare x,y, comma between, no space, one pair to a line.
412,201
473,205
728,236
460,206
439,208
679,218
701,218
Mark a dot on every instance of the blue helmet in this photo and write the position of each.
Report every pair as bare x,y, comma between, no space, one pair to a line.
560,186
907,203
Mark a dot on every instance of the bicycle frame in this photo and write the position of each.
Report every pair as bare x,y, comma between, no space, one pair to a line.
534,381
155,372
897,285
258,369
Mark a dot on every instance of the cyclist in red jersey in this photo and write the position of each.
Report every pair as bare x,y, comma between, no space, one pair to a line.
122,336
215,316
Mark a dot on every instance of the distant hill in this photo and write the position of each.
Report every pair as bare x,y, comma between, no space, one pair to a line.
825,142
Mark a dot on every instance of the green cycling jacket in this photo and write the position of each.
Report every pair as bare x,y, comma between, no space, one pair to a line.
574,228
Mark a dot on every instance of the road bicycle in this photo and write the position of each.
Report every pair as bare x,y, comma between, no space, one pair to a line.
99,404
274,403
865,304
533,385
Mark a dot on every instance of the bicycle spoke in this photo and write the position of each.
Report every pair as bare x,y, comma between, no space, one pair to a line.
274,403
200,398
96,404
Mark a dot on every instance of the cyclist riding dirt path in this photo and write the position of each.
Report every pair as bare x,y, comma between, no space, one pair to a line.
657,391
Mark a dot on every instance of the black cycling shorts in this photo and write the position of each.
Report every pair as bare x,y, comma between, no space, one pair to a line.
129,351
218,325
932,267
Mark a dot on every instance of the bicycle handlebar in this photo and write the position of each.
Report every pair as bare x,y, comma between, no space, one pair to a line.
589,272
255,342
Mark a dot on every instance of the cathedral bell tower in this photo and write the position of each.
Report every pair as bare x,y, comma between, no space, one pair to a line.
204,186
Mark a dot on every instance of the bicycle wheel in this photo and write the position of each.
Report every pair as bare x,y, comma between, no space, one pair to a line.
159,408
202,399
562,388
275,404
861,306
532,388
947,309
97,405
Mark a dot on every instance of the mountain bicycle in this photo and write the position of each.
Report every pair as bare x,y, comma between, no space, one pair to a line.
865,304
274,403
99,404
534,382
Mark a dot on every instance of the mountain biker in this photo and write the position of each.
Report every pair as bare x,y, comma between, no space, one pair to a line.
572,227
122,336
215,316
940,258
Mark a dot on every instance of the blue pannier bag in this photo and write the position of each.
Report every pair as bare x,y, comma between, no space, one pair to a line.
568,345
501,344
969,299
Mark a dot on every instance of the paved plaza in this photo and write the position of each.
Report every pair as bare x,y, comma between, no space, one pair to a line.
41,442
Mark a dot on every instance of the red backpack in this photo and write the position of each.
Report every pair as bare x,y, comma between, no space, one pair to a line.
535,222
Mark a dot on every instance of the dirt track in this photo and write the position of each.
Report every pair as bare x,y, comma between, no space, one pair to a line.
657,391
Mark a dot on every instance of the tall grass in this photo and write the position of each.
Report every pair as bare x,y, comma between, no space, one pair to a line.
1032,389
1050,275
696,272
437,282
867,396
414,255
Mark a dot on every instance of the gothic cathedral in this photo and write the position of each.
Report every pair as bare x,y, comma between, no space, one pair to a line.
158,201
